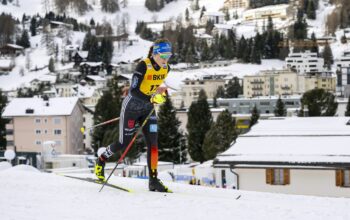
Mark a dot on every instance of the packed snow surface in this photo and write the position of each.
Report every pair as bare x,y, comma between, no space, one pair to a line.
36,195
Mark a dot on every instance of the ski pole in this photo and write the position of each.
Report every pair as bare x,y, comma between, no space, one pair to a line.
128,147
82,129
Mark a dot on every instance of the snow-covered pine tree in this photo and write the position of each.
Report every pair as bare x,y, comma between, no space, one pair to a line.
3,122
199,123
220,135
319,103
233,88
280,109
254,117
107,107
52,65
110,6
328,56
169,136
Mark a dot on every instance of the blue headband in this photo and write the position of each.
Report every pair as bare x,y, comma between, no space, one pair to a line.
163,47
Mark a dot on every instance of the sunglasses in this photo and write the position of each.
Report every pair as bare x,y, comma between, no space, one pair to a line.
165,56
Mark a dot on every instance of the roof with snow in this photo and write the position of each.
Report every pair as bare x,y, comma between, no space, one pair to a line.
5,63
48,78
57,106
204,36
303,141
84,91
83,54
224,26
92,64
96,78
15,46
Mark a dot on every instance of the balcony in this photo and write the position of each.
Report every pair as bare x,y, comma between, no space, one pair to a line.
9,126
257,88
257,82
9,138
285,87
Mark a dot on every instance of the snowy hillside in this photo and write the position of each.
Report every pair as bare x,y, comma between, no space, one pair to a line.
28,194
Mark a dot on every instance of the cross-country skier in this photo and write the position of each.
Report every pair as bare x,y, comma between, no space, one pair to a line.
145,91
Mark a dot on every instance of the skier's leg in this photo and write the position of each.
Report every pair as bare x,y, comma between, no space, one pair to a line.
150,132
126,131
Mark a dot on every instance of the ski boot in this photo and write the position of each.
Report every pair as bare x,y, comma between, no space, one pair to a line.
100,170
156,184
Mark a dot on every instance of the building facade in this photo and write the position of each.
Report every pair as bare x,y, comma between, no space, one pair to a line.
215,17
343,82
306,62
283,11
34,121
191,88
236,4
266,105
296,155
344,60
285,83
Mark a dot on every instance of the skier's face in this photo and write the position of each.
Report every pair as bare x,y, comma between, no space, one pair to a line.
162,59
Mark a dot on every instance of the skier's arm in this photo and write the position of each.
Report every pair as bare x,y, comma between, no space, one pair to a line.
164,87
137,78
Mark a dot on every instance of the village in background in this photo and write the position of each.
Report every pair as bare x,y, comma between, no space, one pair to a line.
273,75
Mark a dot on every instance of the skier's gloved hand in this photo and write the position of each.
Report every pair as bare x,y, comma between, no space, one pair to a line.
158,98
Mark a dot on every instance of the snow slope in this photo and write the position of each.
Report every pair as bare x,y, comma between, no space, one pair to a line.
34,195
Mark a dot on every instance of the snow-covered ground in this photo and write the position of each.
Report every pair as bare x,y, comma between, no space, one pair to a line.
29,194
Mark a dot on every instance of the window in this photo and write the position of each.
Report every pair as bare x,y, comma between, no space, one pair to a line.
264,103
58,143
57,132
37,131
45,120
277,176
38,142
57,121
342,178
37,120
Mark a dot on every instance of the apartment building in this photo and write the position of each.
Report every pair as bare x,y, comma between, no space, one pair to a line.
305,62
265,104
191,87
285,82
215,17
282,11
343,81
236,4
34,121
343,60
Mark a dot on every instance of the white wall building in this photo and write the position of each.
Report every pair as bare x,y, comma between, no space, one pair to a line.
282,11
306,62
343,82
295,155
236,3
223,29
215,17
343,60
